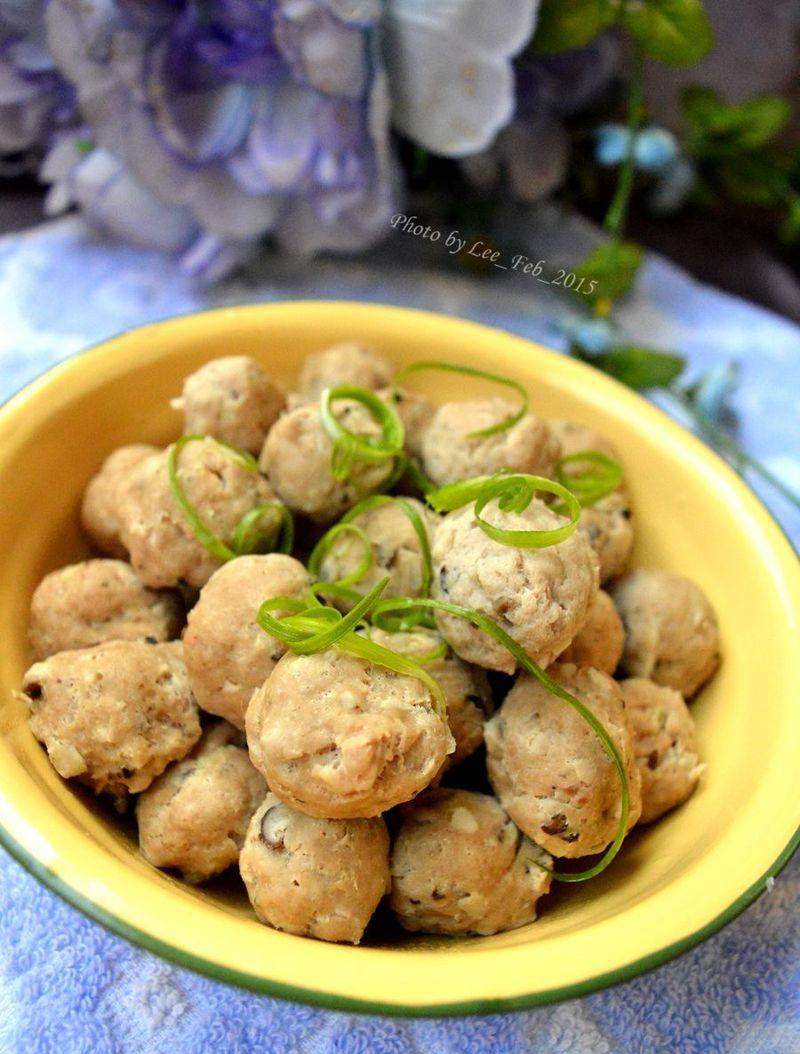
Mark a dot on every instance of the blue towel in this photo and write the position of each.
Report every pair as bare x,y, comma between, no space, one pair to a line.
69,987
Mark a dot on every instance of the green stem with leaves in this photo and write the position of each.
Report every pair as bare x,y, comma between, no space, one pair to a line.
618,210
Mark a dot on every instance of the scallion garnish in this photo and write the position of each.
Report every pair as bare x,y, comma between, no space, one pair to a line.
250,533
310,627
592,484
349,448
514,493
342,587
392,607
472,371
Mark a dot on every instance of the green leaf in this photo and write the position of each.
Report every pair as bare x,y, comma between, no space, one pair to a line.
790,228
565,24
754,180
673,31
640,368
719,127
612,268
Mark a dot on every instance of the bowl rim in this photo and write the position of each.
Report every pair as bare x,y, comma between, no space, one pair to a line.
331,1001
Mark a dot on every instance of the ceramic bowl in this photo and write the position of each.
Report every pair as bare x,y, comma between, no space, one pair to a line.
674,884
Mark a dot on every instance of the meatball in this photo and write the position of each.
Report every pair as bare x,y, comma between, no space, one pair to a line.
549,769
664,745
540,597
671,632
459,865
195,815
95,601
338,737
599,643
576,438
232,399
608,523
344,364
297,460
315,877
414,411
103,497
395,551
466,689
227,653
115,715
448,454
164,549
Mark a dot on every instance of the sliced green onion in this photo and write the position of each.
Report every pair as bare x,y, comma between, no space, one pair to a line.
514,493
592,484
247,536
342,587
471,371
326,542
349,448
310,627
484,623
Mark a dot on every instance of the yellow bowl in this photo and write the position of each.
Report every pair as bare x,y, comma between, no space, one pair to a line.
674,884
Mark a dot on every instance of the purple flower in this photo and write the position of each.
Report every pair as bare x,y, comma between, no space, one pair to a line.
246,117
34,99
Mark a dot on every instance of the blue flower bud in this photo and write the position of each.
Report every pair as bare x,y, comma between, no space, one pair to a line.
673,187
611,144
654,149
713,391
592,335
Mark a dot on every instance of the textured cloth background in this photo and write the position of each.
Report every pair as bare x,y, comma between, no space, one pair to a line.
69,987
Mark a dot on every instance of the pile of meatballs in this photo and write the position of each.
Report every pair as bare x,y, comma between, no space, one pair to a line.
331,781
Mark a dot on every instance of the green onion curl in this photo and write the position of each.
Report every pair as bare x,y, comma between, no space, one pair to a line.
251,534
471,371
310,627
482,622
343,587
592,484
514,493
350,449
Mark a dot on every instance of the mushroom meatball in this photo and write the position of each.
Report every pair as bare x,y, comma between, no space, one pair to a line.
163,547
195,815
227,653
540,597
103,497
395,551
315,877
297,460
339,737
664,745
549,769
231,399
415,412
459,865
599,642
466,688
95,601
344,364
450,452
671,632
608,522
115,715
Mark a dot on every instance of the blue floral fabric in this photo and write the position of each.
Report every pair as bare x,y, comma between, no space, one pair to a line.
70,987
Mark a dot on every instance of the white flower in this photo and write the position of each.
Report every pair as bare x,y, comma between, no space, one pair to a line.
449,64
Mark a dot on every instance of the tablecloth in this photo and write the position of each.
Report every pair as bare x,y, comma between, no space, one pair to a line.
68,987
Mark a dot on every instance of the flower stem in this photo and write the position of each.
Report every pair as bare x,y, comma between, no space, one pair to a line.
726,444
618,210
